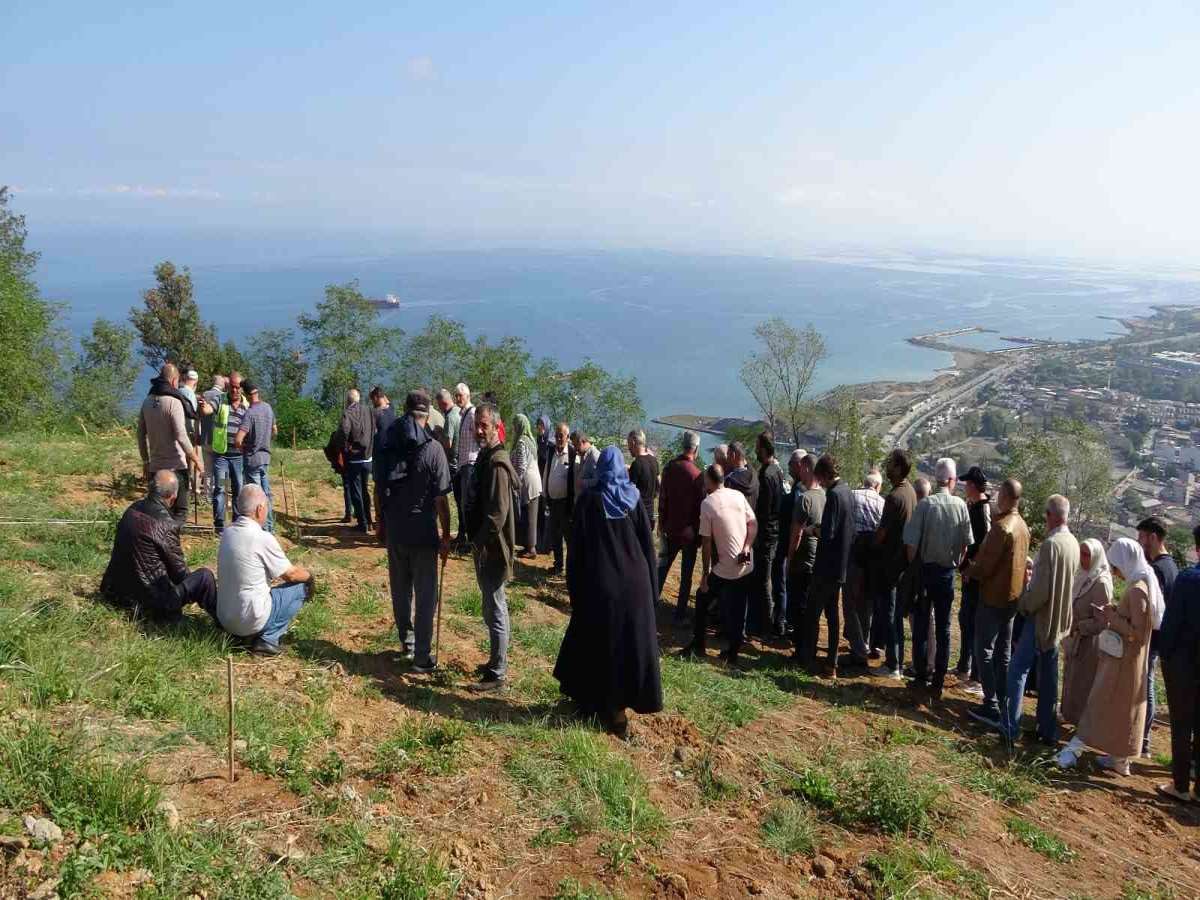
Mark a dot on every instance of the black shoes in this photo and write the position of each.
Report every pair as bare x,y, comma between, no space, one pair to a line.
490,683
265,648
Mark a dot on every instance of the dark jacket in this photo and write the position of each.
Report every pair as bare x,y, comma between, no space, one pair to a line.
358,427
746,482
980,514
491,518
770,499
160,387
400,446
335,451
1180,631
679,500
147,561
837,534
892,556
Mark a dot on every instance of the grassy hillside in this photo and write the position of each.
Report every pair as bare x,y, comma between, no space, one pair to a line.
358,779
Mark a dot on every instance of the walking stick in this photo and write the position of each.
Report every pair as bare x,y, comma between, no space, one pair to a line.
437,641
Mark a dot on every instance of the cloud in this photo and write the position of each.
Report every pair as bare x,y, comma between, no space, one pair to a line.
420,68
149,192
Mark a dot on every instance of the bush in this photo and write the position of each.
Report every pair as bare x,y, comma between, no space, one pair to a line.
788,828
312,423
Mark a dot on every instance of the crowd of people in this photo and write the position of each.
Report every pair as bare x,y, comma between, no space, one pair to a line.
776,552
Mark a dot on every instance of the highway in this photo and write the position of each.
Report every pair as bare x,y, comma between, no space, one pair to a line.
902,429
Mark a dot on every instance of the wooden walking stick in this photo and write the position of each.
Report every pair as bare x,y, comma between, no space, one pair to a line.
437,641
229,674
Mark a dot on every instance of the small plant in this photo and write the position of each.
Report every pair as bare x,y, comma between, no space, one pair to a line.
408,873
1040,841
365,602
906,871
713,787
1013,783
570,889
330,770
422,742
788,828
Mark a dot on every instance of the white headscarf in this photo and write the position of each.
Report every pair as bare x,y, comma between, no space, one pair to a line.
1100,571
1127,555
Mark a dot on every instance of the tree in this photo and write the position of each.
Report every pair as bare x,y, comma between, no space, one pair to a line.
1070,458
169,324
350,347
31,341
589,397
503,369
103,376
854,447
779,375
996,422
278,363
436,357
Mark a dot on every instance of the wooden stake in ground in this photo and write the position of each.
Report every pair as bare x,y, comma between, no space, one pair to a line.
437,641
229,674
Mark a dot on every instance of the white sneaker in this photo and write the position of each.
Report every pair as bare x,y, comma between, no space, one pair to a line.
885,672
1067,759
974,688
1120,767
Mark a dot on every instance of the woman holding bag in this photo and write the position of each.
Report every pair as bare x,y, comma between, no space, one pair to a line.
1115,715
1093,594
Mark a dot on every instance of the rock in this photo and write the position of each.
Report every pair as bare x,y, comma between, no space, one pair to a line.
29,860
349,794
683,753
675,884
169,813
10,842
824,867
753,887
43,831
286,851
45,890
377,841
461,853
240,746
862,881
835,853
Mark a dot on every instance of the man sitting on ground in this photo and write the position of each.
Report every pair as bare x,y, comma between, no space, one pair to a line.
147,572
249,559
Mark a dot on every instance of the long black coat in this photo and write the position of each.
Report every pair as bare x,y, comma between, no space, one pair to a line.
609,657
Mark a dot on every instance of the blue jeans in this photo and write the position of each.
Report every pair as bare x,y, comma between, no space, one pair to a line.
885,624
286,601
357,480
258,475
1151,661
968,663
495,616
1025,657
993,650
938,582
222,466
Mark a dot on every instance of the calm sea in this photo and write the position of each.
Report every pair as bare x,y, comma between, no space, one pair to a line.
680,324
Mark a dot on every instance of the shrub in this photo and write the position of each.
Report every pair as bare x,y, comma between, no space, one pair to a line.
788,828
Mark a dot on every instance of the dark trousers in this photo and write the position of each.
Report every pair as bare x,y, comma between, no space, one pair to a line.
700,622
993,650
687,565
348,508
968,664
761,600
885,624
823,594
797,598
1182,677
199,587
560,519
779,587
179,510
735,597
529,521
461,486
938,582
358,477
1028,658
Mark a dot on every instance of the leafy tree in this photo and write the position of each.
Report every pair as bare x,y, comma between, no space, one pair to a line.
589,397
436,357
278,363
103,375
854,447
305,418
503,369
1070,458
779,374
31,341
997,423
350,347
169,324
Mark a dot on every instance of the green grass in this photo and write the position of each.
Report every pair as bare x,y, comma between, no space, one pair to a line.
1013,783
570,889
366,601
1043,842
913,872
1132,891
539,639
788,828
712,697
422,743
580,785
713,787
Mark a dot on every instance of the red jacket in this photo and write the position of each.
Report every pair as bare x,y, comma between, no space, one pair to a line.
679,500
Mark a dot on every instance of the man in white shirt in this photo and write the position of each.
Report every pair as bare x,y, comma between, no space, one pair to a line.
465,452
727,529
559,480
248,560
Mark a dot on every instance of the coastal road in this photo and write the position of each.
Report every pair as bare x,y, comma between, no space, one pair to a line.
903,428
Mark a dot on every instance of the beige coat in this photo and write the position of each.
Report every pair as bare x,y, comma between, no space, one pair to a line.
1048,598
1115,716
1079,652
162,434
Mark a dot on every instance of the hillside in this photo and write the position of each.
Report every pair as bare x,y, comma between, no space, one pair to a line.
357,779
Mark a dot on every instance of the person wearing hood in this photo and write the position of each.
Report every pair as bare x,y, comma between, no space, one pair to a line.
608,661
1114,718
491,527
545,449
415,486
1093,595
529,484
739,475
162,436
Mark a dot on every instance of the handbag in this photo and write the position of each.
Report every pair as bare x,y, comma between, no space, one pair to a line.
1109,642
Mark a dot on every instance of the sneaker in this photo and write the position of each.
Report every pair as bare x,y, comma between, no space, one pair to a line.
885,672
488,684
1112,765
408,654
985,716
265,648
974,688
1067,759
1169,790
424,668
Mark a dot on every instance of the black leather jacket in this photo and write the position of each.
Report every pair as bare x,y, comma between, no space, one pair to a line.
147,560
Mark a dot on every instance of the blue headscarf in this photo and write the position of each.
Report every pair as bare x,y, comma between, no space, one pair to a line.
612,481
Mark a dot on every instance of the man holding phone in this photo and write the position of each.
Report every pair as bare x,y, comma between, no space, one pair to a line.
727,529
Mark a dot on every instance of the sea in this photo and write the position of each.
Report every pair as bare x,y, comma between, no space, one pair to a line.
681,324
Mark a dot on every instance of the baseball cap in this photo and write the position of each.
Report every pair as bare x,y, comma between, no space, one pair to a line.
417,401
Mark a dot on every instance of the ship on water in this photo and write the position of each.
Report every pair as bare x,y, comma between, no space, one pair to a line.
390,301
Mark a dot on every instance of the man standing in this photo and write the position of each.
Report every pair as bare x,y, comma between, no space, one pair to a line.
779,574
586,456
212,399
739,475
1152,535
720,455
559,480
249,559
808,509
1046,606
227,458
979,508
492,527
727,529
831,563
163,440
254,440
466,450
940,532
890,562
643,472
858,600
1179,646
453,415
679,519
766,510
998,571
147,572
358,433
383,414
417,511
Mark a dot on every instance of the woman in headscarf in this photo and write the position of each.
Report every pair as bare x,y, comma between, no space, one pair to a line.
545,449
528,487
1114,717
608,661
1093,594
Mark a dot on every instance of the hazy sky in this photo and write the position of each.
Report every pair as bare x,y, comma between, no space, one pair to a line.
1070,129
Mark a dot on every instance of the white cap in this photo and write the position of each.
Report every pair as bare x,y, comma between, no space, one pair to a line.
191,375
945,469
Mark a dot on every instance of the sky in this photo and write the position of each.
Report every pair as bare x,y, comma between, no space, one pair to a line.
1063,129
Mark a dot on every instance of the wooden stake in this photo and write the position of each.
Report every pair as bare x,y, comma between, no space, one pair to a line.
229,673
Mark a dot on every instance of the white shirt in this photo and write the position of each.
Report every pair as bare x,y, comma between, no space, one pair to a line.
557,478
248,560
725,516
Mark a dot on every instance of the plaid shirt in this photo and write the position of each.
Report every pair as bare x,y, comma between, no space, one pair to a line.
868,510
